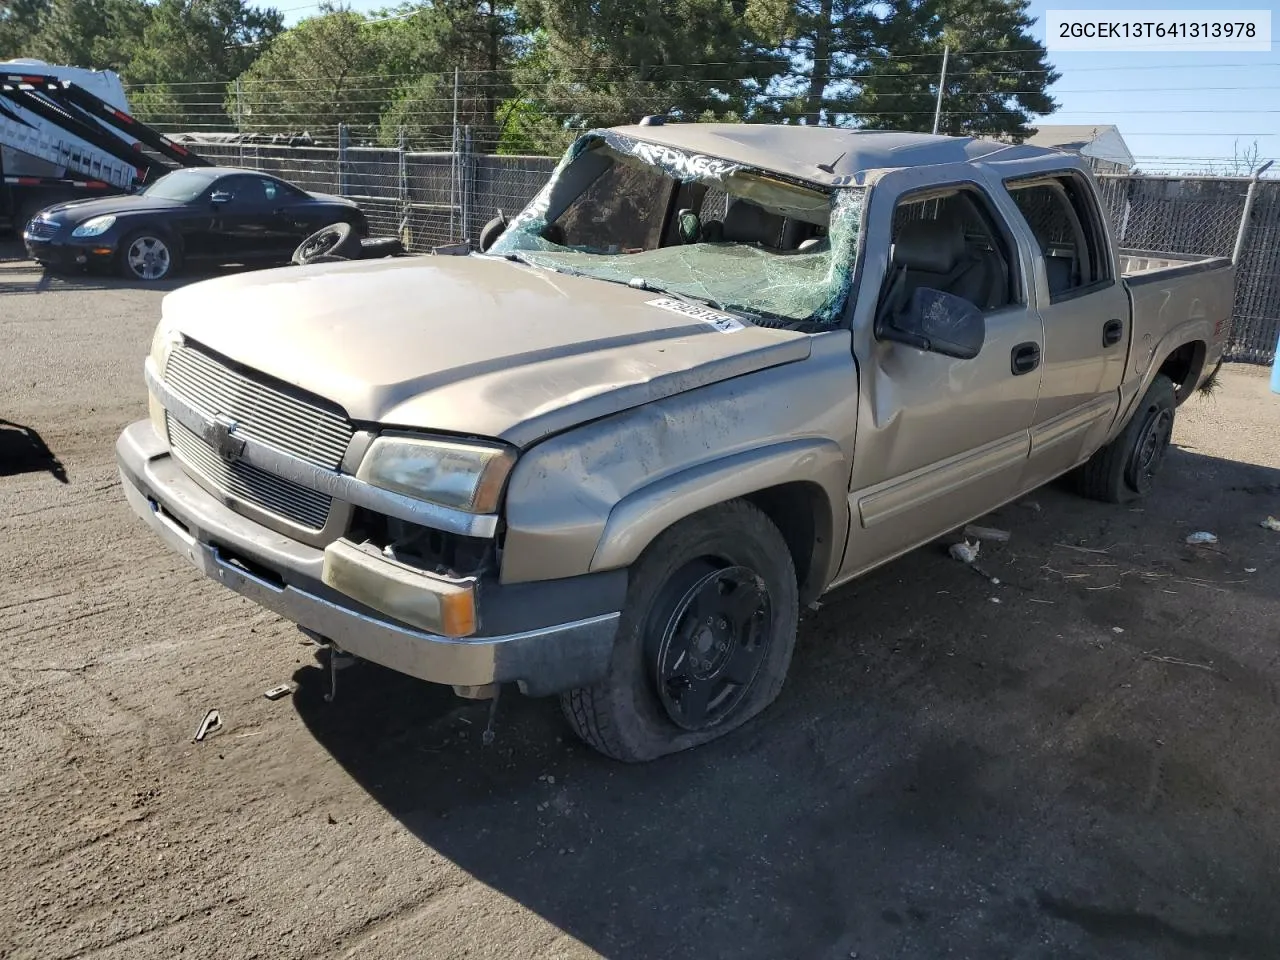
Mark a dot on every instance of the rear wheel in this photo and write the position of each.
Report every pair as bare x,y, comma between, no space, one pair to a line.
147,256
705,639
1125,469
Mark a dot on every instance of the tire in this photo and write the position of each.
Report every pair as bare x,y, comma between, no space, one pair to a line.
491,231
374,247
630,715
336,240
1125,469
149,256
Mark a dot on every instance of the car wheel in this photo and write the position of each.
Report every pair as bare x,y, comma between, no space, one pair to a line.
704,641
335,240
1125,469
149,257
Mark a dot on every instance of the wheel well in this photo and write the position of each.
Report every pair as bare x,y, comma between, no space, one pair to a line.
1184,367
800,512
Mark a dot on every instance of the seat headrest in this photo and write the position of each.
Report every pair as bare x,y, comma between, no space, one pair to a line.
933,246
747,223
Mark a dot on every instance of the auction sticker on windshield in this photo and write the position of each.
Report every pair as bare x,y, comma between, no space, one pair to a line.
723,322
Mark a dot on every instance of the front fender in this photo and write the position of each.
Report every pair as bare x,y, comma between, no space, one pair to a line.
639,518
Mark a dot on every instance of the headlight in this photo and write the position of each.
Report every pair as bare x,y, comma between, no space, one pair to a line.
162,344
94,227
468,476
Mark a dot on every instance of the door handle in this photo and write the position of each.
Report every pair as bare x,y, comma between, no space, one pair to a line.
1024,358
1112,333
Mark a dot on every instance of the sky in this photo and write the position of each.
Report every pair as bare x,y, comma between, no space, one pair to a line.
1179,105
1176,111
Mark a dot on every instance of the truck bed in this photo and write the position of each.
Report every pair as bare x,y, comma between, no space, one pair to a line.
1139,266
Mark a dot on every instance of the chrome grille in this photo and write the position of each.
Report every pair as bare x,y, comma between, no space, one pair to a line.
41,230
305,428
298,504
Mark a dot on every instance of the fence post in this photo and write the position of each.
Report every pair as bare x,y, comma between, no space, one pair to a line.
342,159
468,172
454,149
403,186
1243,230
240,116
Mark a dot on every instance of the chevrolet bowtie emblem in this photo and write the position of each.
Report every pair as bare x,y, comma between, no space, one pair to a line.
221,435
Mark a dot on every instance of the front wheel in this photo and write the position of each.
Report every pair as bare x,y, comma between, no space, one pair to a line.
1125,469
704,642
147,256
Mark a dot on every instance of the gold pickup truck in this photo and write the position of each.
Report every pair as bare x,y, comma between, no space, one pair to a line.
709,373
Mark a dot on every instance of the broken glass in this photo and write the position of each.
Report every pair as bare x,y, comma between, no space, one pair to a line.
601,215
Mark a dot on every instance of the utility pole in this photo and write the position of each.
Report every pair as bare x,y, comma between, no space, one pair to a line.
942,82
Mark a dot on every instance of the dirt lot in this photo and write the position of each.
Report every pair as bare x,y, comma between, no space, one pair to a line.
1080,762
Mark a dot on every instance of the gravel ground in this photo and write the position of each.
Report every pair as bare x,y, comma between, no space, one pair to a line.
1079,762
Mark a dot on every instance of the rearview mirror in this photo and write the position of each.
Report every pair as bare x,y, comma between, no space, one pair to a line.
939,323
220,196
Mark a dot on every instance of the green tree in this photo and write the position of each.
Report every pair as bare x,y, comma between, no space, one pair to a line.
423,50
188,51
997,73
827,38
599,62
327,70
101,34
20,22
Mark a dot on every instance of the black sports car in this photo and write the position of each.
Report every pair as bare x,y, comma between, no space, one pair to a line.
202,213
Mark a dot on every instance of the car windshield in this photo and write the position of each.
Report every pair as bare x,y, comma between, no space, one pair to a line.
694,226
179,185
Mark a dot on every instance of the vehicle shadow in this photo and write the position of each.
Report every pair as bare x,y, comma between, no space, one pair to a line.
23,450
1062,773
23,276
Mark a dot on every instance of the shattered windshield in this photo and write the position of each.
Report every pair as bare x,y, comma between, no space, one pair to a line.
693,226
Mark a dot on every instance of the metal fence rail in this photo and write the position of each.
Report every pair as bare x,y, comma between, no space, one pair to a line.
432,199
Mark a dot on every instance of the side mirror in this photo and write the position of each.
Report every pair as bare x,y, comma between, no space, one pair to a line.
219,197
939,323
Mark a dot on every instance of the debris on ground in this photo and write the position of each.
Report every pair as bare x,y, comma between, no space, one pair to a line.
1117,630
994,534
1201,536
210,725
1250,569
1178,661
1068,546
275,693
1271,523
965,552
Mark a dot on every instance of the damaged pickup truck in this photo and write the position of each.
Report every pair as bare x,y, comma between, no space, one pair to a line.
708,374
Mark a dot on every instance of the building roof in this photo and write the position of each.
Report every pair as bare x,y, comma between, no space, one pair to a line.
798,150
1100,140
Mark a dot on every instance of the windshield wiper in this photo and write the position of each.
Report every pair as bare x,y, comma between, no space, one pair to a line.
640,283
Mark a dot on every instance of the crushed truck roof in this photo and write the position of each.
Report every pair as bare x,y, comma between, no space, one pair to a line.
826,154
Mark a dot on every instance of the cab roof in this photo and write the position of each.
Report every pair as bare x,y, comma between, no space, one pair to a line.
826,154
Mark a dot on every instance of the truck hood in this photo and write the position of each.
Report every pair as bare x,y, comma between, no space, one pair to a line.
469,345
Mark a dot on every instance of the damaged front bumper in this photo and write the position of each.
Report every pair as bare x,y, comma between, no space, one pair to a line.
546,637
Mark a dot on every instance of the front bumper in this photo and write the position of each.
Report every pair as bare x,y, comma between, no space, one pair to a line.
68,255
554,636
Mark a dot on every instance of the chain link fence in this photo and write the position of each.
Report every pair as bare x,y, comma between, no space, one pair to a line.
431,199
1211,216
